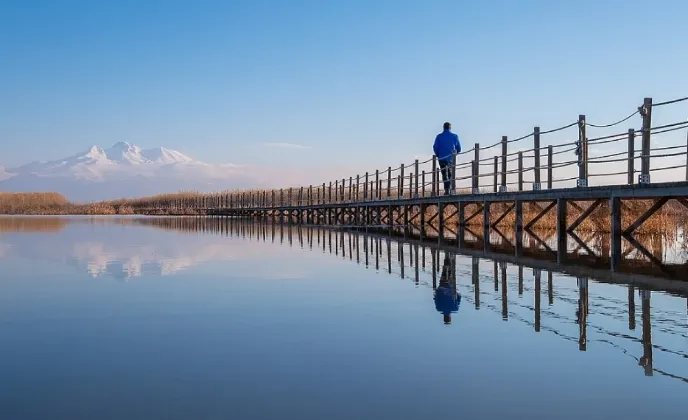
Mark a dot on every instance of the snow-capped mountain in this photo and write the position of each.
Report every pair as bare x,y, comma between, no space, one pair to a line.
123,170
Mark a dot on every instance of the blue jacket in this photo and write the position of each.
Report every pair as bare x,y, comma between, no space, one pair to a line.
445,143
445,302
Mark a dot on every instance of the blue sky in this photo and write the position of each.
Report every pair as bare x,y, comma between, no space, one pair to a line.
359,84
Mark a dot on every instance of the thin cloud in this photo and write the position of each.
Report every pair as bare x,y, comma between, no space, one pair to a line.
286,146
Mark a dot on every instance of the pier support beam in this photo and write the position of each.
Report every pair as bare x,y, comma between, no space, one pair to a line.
486,226
615,237
519,227
461,224
561,230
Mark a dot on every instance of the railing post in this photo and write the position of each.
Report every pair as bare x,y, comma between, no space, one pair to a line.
415,170
476,150
631,155
646,113
300,202
290,197
410,187
550,157
310,195
502,187
422,180
365,188
358,189
582,154
281,198
401,184
329,194
474,178
377,184
434,176
453,174
343,187
496,173
537,186
520,171
351,186
398,186
389,182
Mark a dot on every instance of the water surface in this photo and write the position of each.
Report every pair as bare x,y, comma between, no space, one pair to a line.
114,318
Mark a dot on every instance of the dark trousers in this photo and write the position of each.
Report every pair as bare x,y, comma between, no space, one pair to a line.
447,174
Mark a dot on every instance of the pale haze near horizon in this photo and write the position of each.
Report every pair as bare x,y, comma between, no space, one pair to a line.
336,88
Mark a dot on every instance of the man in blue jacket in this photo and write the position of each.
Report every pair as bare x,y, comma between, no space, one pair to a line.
446,144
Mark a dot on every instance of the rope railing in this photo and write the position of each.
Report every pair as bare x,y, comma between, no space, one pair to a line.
551,165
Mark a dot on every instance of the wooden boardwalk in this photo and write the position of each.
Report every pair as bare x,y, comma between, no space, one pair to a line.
488,185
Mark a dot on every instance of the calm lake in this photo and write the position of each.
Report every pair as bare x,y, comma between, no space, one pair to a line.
191,318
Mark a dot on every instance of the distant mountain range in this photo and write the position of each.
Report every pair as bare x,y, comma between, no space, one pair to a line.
123,170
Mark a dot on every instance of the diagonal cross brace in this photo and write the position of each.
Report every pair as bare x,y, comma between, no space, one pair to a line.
587,212
540,215
652,210
500,218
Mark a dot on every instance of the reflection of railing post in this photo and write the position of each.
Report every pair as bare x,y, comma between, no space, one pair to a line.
582,313
537,273
646,113
476,281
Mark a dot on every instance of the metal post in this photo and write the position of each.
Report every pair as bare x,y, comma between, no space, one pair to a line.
389,182
550,157
502,187
336,191
377,184
423,182
646,112
580,151
520,171
536,146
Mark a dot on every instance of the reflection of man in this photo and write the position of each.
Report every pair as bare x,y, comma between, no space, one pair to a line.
446,298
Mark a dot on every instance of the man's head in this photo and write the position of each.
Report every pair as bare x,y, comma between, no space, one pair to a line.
447,126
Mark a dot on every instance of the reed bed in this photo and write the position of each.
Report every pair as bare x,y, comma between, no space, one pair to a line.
672,217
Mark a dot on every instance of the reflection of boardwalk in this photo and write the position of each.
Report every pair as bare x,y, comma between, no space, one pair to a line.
502,285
